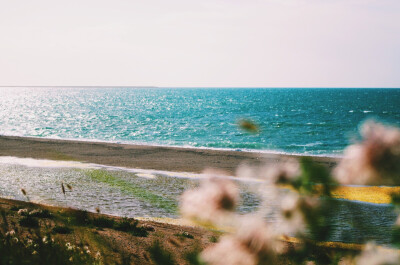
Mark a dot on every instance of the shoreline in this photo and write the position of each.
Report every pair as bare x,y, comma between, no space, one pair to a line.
177,159
228,149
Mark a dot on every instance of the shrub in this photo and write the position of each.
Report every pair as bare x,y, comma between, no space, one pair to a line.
81,217
103,222
131,227
29,221
62,230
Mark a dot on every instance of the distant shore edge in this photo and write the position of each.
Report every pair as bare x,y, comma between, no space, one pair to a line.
178,159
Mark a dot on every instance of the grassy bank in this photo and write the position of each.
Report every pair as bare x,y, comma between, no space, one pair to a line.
37,234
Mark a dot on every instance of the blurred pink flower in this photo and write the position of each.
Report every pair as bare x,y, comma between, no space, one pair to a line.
254,233
228,251
292,220
253,243
373,255
285,172
213,198
374,161
346,261
281,172
294,209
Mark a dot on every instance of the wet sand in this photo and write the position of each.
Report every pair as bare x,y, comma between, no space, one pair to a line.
140,156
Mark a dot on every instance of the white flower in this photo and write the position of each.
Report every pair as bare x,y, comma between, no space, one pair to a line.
69,246
10,233
36,211
23,211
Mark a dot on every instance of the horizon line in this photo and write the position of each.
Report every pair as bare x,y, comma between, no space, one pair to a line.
149,86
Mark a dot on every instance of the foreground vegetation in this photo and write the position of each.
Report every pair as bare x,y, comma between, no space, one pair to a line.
37,234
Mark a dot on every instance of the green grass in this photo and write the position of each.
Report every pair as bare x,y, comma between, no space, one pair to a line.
140,193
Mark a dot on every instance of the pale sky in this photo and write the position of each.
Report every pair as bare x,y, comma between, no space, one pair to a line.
240,43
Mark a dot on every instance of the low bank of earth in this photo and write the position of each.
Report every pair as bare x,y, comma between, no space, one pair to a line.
38,234
99,238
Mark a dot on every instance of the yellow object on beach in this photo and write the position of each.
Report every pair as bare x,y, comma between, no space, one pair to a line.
371,194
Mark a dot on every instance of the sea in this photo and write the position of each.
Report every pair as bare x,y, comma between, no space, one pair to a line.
312,121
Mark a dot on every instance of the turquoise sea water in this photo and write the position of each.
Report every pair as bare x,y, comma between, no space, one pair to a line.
314,121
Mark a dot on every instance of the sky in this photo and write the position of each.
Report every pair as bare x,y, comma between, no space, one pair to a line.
229,43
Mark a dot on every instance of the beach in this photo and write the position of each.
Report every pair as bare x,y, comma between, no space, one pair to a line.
147,181
114,245
175,159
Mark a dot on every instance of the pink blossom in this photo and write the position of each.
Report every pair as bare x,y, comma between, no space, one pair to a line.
373,255
214,198
254,233
228,251
294,209
375,160
285,172
252,243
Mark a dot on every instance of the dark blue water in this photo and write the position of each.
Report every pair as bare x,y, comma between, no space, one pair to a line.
297,120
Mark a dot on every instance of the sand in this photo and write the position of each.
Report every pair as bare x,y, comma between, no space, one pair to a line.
141,156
